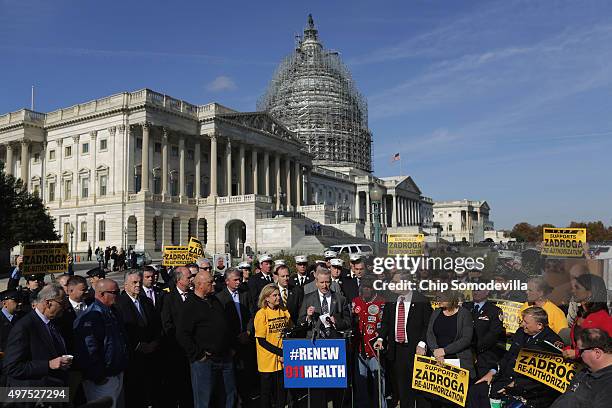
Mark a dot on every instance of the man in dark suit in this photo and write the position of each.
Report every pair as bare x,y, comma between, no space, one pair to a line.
143,328
348,285
301,277
488,332
35,351
320,303
262,278
239,309
403,333
534,334
150,288
177,377
8,317
291,296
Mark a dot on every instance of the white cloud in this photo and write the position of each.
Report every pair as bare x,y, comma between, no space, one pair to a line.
222,83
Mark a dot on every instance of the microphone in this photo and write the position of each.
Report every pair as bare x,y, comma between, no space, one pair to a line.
330,322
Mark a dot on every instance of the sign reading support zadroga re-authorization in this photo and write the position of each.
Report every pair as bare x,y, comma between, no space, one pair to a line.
176,256
45,258
564,242
444,380
405,244
546,368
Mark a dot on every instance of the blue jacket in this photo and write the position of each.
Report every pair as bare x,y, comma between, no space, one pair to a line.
100,343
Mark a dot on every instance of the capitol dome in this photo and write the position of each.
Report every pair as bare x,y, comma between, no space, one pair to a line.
313,94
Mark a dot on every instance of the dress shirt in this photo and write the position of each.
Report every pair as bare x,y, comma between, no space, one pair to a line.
7,314
78,307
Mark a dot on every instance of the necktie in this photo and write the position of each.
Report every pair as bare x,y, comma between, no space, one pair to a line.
476,309
184,296
400,325
58,341
269,278
151,295
140,312
236,299
284,296
324,306
358,282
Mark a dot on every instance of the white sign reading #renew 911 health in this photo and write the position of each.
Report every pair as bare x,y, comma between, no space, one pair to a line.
318,364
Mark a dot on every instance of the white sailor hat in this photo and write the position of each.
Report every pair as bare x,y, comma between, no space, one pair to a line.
336,262
278,263
355,257
301,259
244,265
330,254
264,258
320,262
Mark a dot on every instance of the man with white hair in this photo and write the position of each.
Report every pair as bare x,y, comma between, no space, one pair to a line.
35,350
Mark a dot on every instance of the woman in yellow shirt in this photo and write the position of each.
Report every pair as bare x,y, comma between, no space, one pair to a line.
537,295
270,321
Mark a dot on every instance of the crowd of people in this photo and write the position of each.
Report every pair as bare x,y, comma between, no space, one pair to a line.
203,338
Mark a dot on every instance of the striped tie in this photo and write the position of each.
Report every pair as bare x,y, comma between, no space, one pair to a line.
400,329
284,296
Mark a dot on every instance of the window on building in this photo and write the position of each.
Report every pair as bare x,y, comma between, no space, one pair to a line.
85,148
190,154
156,185
36,157
83,231
51,154
51,192
103,183
158,147
174,151
68,151
102,230
67,189
85,188
450,227
103,144
36,189
139,143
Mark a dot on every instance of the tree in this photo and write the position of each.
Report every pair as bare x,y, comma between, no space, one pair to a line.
524,232
23,216
596,231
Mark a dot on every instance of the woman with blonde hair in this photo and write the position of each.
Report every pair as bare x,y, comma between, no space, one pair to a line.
270,321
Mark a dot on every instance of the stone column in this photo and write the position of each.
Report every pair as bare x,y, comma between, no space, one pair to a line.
383,211
182,166
183,231
76,186
94,174
60,180
267,173
394,213
213,165
9,158
197,153
144,174
255,167
278,181
242,169
164,180
228,167
288,178
298,184
419,222
368,207
309,187
357,206
25,162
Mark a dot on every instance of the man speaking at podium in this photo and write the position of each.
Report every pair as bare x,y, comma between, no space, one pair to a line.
325,313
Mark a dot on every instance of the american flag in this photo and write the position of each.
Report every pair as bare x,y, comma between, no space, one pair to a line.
395,157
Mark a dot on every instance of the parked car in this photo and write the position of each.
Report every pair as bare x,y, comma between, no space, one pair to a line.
365,250
142,259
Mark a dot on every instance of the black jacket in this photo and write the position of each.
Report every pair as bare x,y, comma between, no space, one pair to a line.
204,328
416,324
246,311
256,284
338,308
295,297
349,288
588,390
536,393
5,328
143,328
294,281
29,349
488,332
159,297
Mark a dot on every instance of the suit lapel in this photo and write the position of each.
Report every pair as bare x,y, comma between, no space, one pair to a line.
44,332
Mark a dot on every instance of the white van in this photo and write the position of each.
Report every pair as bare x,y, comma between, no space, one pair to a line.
363,249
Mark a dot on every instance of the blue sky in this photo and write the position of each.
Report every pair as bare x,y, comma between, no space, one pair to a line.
508,101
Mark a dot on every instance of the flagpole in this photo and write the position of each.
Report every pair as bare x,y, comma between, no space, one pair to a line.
400,160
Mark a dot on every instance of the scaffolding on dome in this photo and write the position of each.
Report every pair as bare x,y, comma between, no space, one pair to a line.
313,94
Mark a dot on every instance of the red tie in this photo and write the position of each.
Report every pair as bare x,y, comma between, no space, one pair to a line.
400,329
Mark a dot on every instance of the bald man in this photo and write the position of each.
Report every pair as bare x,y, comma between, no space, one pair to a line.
100,345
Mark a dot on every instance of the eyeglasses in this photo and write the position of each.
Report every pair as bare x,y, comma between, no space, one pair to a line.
582,350
113,292
206,268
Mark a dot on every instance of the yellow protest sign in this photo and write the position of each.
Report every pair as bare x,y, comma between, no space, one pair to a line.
511,314
176,256
565,242
405,244
195,249
45,258
547,368
444,380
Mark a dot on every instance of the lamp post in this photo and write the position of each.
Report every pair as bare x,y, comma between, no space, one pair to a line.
376,197
71,230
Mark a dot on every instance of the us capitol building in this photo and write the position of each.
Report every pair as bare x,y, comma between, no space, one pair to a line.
144,169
